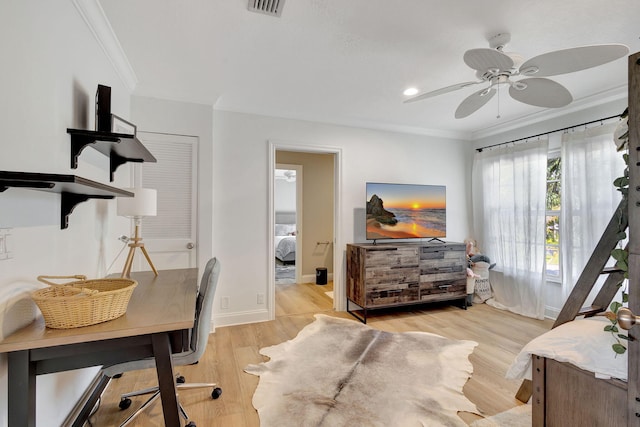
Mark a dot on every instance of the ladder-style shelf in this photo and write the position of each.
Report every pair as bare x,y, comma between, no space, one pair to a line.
120,148
73,189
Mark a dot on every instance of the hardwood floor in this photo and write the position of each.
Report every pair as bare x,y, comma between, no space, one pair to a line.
500,335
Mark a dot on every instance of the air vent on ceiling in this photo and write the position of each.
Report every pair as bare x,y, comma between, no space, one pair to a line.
268,7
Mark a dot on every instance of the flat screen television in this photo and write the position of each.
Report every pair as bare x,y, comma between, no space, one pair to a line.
406,211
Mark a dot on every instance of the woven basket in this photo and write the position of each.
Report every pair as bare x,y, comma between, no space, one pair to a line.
82,302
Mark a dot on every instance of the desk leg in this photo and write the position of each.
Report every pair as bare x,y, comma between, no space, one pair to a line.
164,367
21,389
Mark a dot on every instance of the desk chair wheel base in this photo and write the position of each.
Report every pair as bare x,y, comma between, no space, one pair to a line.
124,403
216,393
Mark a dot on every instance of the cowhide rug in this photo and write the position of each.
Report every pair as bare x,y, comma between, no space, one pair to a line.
339,372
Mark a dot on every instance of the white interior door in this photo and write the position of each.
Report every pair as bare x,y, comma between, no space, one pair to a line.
170,237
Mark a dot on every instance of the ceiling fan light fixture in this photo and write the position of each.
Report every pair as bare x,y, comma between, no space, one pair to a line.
519,85
529,71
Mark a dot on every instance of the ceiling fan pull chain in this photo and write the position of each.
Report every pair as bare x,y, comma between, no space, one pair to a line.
498,93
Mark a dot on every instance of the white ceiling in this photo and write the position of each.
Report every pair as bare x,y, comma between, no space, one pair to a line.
348,61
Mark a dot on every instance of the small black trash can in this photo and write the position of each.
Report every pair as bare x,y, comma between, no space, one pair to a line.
321,276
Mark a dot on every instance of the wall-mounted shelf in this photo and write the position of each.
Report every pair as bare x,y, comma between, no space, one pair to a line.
73,189
120,148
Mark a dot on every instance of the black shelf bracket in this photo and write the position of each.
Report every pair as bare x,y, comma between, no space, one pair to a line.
79,140
120,148
116,160
68,203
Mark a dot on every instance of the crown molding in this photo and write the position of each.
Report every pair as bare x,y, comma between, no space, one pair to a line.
360,124
600,98
93,15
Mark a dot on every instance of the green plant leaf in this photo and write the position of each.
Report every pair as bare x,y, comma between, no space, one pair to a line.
619,348
623,337
620,182
622,265
615,306
621,235
619,254
625,296
608,328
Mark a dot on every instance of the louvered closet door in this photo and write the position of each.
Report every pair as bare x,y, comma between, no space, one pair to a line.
170,237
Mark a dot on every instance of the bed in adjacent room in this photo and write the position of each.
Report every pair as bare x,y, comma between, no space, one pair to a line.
285,237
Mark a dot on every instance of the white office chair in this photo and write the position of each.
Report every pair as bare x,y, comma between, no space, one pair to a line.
197,345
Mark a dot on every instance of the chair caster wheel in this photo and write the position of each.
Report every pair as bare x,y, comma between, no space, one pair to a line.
190,424
180,380
216,393
124,403
117,376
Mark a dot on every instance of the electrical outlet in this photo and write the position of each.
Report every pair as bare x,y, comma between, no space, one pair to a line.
4,244
224,303
260,299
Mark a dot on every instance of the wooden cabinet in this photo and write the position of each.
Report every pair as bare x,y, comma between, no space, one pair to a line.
390,275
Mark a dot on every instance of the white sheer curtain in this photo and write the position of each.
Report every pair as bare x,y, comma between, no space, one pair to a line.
590,164
509,187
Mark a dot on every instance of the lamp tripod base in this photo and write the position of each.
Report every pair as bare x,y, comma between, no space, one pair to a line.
136,243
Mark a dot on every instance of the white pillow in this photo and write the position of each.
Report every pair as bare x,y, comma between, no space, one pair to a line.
285,229
582,342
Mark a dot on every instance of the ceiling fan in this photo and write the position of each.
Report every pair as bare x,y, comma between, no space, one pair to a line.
495,67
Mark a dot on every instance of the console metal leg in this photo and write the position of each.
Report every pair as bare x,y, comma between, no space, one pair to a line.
363,319
21,389
164,367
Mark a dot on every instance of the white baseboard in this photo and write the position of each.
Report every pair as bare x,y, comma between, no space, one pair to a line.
240,318
311,278
551,312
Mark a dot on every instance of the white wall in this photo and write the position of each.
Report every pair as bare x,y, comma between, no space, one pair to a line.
285,196
240,213
52,65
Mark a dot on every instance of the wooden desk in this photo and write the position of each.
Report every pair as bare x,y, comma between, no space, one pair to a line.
157,322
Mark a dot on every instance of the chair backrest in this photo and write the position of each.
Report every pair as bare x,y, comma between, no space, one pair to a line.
204,303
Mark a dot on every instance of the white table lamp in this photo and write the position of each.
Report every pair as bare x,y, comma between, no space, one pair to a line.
143,203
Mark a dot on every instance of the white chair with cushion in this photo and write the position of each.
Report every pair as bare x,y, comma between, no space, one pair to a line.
197,346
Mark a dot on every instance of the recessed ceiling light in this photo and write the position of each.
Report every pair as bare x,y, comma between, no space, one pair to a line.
410,91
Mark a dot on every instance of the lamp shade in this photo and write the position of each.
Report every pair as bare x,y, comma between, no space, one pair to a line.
143,203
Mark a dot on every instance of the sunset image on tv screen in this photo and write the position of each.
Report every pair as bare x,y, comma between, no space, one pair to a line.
401,211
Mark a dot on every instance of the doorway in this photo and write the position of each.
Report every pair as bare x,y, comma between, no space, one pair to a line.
317,219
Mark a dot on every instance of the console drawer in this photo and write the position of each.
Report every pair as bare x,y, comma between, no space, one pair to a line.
390,295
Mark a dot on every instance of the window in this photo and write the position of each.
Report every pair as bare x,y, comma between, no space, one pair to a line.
552,237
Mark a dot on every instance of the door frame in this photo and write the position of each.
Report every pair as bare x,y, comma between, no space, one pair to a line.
299,214
339,291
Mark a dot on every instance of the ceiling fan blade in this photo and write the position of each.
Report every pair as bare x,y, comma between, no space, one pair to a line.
541,93
573,59
441,91
473,102
484,59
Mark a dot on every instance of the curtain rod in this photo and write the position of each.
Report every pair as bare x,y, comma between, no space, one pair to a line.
479,150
